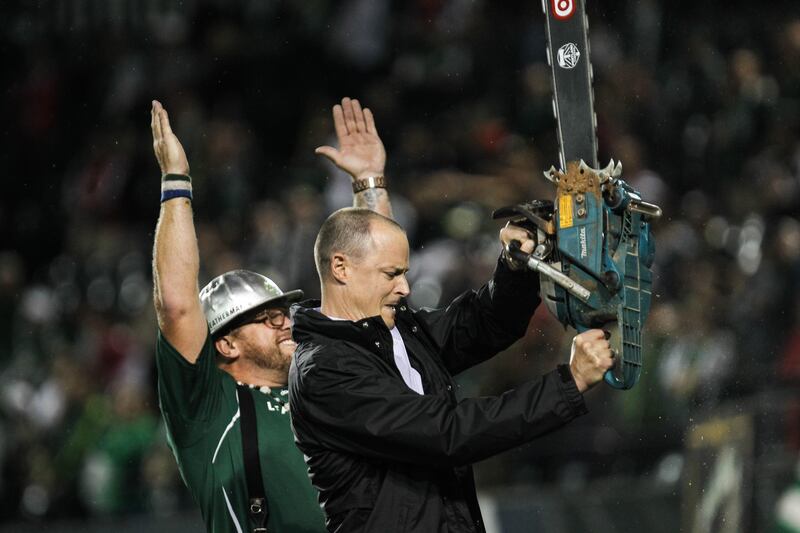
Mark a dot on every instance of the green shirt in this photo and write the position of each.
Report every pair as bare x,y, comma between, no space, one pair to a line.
201,410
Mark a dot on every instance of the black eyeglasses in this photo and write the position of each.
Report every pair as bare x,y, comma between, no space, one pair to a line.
272,318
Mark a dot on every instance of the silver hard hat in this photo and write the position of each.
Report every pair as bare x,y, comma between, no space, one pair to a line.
234,293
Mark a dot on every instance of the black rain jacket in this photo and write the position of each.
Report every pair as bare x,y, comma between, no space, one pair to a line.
388,460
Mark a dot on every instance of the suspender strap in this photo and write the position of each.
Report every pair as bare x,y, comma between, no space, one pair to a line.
258,508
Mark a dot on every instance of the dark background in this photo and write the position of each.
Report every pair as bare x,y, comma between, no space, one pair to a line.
700,101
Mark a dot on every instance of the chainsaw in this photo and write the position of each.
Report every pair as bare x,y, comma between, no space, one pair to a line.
594,248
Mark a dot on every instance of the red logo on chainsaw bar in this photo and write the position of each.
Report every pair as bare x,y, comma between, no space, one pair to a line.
563,9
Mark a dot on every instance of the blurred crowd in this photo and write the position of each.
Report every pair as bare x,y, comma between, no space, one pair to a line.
704,115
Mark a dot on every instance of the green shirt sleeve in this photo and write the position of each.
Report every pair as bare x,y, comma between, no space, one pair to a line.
188,394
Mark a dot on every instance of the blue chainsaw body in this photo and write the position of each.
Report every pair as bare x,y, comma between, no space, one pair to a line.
607,248
597,234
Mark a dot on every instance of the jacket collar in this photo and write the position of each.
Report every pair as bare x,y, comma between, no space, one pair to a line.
309,322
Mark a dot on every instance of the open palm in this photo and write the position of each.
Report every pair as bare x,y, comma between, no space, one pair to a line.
361,153
168,149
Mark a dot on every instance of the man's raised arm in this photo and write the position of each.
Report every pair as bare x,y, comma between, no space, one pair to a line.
176,260
361,154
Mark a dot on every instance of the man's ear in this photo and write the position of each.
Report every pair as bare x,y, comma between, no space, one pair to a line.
340,266
226,347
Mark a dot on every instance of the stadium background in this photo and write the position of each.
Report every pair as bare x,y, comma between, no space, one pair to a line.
700,100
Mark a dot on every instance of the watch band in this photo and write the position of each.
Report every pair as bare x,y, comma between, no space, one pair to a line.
372,182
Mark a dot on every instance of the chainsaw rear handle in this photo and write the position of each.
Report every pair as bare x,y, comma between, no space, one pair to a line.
628,371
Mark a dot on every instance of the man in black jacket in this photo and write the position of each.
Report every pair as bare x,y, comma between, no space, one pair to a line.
372,397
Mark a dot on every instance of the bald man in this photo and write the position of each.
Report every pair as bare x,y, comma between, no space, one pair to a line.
371,388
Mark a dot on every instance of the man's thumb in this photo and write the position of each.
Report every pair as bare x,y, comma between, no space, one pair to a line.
329,152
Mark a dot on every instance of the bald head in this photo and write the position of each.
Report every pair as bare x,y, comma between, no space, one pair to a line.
347,231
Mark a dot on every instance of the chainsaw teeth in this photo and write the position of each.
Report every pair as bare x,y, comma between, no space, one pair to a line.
551,174
610,174
605,173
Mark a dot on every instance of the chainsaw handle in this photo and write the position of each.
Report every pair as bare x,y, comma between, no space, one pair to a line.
514,250
609,377
614,381
558,277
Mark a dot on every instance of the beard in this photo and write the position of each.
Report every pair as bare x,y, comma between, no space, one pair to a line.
273,357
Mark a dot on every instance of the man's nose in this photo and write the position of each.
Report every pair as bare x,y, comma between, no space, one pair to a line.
402,287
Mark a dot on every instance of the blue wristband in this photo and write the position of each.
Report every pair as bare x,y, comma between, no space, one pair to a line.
176,193
175,186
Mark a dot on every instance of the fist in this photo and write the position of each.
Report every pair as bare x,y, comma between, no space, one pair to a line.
591,357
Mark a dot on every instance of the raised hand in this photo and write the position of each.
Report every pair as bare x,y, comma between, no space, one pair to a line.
176,259
361,153
169,151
